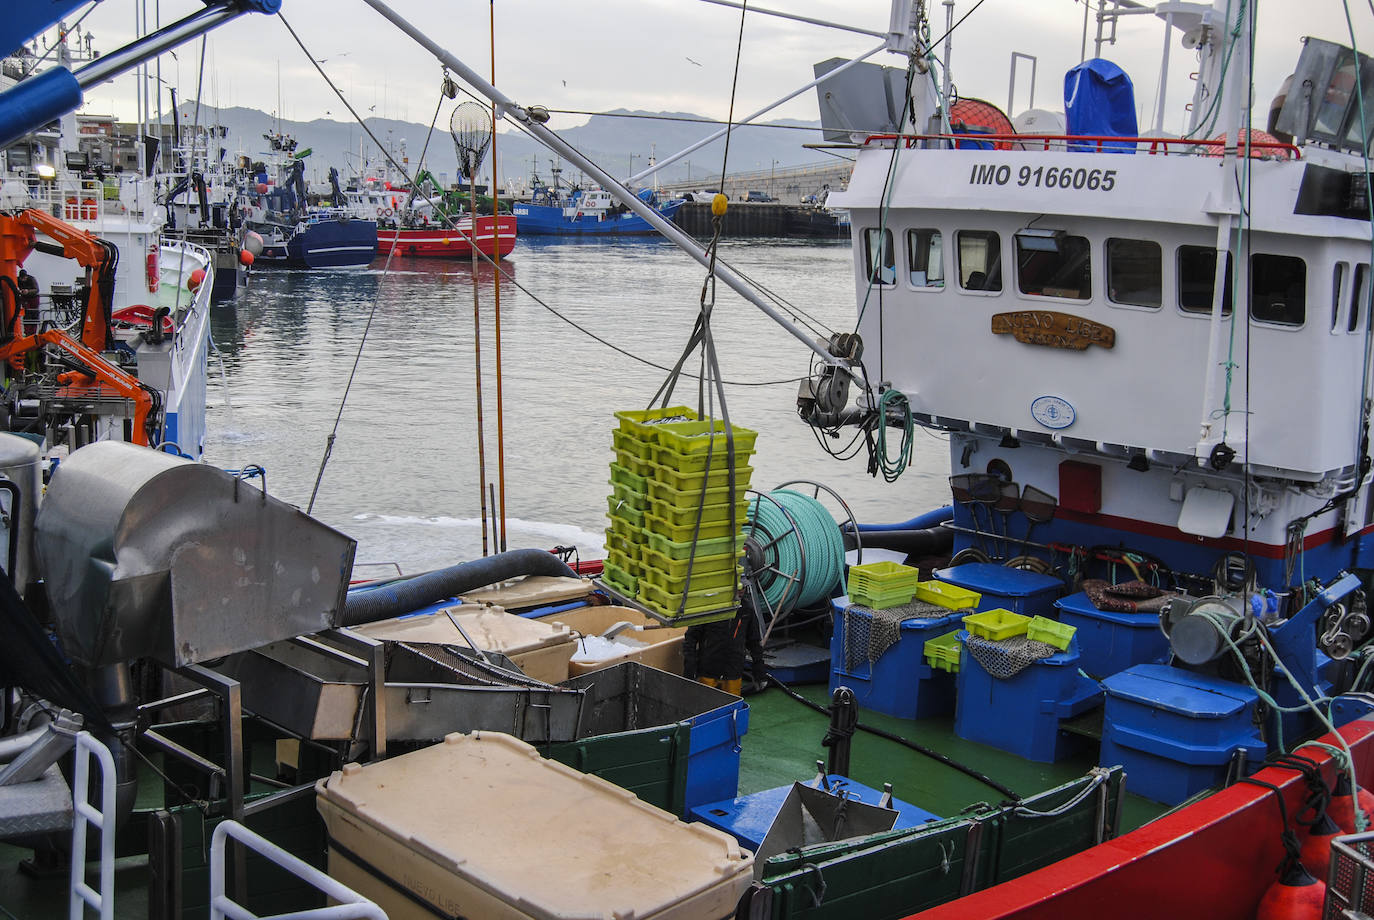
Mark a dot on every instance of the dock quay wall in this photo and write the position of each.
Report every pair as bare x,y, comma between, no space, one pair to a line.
753,219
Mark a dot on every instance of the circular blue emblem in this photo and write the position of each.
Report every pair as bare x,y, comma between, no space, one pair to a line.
1053,412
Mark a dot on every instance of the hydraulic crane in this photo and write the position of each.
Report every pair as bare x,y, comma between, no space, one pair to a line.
90,372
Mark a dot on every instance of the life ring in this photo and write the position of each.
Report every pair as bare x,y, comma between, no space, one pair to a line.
385,212
141,315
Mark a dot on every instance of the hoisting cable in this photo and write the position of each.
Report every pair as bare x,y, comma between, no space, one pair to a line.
371,314
905,742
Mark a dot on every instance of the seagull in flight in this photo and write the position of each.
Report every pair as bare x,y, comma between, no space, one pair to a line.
690,61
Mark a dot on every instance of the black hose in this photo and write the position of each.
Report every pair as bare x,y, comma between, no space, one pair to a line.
905,742
367,605
918,543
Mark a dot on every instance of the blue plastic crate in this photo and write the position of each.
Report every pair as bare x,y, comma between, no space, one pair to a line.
1017,590
713,765
900,683
1021,714
1110,642
748,817
1175,732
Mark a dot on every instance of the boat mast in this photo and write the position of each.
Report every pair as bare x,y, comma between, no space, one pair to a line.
532,120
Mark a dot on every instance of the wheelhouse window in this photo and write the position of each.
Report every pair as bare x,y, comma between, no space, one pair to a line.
925,258
1278,289
1197,269
1135,273
1338,274
980,260
1359,296
882,266
1053,264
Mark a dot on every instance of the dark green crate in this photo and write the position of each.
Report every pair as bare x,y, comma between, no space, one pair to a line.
650,762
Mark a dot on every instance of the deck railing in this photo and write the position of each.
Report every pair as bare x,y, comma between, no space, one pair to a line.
1093,143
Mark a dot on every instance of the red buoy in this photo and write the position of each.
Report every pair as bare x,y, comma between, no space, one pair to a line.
245,257
1342,808
1316,850
1296,896
197,276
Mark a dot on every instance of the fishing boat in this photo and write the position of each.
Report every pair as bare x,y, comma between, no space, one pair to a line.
588,211
273,203
1118,428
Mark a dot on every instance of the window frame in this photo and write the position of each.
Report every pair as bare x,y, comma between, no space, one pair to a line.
938,234
1228,308
1250,293
1107,274
996,236
1061,240
871,270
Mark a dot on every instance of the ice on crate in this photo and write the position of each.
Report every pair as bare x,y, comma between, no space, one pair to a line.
595,648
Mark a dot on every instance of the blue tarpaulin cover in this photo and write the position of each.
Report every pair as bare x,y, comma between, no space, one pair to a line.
1099,101
26,18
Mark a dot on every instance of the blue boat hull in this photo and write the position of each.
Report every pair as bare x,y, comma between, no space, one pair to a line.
544,220
326,244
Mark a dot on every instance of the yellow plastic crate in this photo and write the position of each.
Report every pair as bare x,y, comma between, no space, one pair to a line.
701,437
636,465
637,500
942,652
619,579
881,600
873,578
944,594
626,559
701,581
700,565
622,476
716,478
1043,629
666,603
685,532
690,498
625,442
996,624
620,509
692,464
717,546
641,422
707,514
619,527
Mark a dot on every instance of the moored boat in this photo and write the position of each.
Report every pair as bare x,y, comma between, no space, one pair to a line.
588,211
437,241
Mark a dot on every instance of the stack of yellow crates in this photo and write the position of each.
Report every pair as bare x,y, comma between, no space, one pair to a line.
672,509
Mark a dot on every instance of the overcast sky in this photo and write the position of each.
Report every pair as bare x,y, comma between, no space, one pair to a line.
657,55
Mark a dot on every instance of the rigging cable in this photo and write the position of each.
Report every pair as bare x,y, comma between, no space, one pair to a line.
905,742
505,274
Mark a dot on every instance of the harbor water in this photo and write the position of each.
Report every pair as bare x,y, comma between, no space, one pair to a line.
403,474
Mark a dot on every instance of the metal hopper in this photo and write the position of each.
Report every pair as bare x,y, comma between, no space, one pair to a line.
148,554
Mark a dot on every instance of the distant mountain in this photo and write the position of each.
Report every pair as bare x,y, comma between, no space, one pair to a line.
621,142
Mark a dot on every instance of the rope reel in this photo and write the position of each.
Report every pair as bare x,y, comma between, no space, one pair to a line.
793,550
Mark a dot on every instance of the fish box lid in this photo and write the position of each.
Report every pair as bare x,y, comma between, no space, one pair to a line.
1179,691
987,578
488,810
492,628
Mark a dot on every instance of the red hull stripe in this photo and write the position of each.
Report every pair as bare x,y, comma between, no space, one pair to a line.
1213,859
1165,532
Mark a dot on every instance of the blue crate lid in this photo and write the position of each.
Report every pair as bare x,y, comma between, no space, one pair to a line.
987,578
1183,692
1082,605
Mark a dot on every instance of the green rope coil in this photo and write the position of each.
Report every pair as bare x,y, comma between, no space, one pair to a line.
894,400
784,577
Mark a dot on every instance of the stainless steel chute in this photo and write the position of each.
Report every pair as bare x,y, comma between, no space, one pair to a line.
149,555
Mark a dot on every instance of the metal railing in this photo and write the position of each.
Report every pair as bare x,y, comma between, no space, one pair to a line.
102,819
1093,143
351,906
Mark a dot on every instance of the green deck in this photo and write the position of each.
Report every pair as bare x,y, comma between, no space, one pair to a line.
784,743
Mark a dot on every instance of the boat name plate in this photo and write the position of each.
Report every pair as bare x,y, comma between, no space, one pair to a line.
1053,329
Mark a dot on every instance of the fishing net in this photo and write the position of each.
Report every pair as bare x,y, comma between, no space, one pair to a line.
869,632
1005,658
470,125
